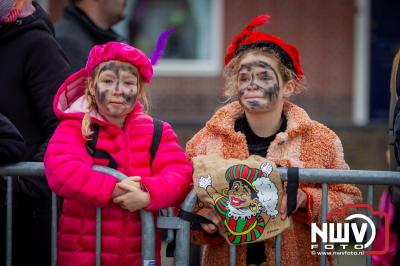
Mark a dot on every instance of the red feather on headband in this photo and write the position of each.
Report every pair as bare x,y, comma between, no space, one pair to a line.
255,22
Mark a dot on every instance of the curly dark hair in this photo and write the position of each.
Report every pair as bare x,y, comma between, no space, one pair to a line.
252,191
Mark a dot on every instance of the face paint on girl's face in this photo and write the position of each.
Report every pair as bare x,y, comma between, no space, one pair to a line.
116,89
258,85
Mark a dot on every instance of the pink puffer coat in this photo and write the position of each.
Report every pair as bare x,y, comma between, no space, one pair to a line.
69,173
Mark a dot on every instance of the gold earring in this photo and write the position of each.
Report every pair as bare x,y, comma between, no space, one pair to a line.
254,206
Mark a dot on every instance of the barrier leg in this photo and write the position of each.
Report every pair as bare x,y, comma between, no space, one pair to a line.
98,236
324,213
9,200
54,222
370,202
183,234
232,255
278,245
148,238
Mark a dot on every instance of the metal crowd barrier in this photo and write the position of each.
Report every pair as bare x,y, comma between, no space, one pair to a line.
37,169
323,176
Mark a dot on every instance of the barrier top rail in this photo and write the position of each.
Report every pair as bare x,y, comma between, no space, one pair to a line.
323,176
305,175
37,169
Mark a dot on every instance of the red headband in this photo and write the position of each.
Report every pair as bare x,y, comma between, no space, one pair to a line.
249,39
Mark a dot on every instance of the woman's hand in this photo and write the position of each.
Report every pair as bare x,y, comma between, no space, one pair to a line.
134,197
211,215
301,203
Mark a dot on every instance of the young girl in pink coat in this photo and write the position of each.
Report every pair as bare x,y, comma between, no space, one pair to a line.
108,93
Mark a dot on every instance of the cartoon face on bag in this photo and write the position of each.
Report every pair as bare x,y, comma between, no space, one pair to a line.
240,194
250,193
115,87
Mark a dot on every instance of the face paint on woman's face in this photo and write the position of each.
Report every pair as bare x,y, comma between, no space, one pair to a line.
116,89
258,84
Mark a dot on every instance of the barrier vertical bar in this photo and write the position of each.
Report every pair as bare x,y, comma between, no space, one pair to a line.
324,213
170,232
182,235
232,255
119,176
98,236
147,221
278,244
54,222
148,238
9,219
370,202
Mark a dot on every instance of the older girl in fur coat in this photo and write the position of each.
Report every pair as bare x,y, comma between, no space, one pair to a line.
262,72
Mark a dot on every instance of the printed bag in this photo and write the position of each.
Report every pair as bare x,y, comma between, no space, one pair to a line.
246,194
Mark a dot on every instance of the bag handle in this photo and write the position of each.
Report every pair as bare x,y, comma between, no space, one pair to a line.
194,219
291,190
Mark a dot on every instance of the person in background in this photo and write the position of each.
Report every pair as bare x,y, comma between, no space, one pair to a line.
12,144
32,67
12,149
85,23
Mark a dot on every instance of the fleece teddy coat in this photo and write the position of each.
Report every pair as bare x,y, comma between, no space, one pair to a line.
70,175
306,144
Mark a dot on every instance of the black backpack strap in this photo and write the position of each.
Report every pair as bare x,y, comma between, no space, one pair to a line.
291,190
97,153
91,143
156,138
101,154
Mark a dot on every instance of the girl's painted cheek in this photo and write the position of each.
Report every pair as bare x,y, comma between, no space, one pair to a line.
101,94
242,88
271,92
130,97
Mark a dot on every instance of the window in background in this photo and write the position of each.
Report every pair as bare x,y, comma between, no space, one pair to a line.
193,49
